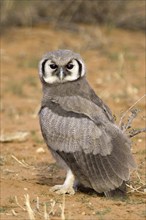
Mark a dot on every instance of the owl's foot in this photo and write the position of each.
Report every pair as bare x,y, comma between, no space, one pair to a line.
67,187
63,189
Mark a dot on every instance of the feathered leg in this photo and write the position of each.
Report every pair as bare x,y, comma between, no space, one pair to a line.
68,185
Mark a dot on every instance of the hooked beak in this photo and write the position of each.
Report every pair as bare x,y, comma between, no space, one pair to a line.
61,74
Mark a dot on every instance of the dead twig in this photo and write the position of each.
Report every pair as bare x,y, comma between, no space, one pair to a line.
38,204
46,215
62,207
134,132
126,126
139,185
22,163
137,189
14,213
37,212
52,211
28,207
137,174
131,107
19,204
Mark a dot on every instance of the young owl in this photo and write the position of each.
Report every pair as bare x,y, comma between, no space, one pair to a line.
79,129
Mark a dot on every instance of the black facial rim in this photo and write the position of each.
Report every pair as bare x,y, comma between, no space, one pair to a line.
43,66
44,62
80,67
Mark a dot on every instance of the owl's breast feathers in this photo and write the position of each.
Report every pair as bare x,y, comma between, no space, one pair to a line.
79,127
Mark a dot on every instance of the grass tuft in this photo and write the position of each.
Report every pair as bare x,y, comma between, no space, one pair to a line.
40,210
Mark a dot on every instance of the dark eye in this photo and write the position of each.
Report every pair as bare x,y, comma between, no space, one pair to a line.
53,66
69,66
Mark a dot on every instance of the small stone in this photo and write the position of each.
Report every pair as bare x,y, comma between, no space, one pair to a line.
139,140
14,137
83,213
40,150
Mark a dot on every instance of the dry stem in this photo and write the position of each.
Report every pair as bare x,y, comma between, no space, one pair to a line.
134,113
19,204
46,215
62,206
123,116
28,207
134,132
14,213
22,163
52,211
135,189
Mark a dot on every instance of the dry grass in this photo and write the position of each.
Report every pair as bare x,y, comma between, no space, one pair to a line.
40,210
136,184
127,14
26,172
128,110
52,209
126,127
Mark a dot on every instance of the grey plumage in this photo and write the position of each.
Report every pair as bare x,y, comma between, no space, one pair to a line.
79,129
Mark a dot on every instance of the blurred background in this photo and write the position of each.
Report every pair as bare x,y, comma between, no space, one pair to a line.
127,14
110,36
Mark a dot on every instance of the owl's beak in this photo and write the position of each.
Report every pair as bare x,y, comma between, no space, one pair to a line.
61,74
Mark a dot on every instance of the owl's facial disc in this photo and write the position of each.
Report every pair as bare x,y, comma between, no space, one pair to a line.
52,72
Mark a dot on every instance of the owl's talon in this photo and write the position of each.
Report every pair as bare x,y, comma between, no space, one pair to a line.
62,189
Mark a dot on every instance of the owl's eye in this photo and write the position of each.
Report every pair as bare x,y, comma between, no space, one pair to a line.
53,66
69,66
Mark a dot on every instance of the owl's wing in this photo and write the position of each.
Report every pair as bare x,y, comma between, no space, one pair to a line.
99,156
95,99
80,105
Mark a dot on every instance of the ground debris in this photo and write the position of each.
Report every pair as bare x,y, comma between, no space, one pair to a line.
134,132
40,150
14,137
125,126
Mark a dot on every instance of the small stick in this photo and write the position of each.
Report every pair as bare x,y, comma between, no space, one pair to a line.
26,164
28,207
62,206
21,163
137,174
19,204
133,115
46,216
135,189
14,213
123,116
38,204
134,132
52,207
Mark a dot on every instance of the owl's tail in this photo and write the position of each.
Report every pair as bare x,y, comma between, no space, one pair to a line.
120,192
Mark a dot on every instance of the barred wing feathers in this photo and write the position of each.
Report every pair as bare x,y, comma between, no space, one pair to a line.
95,149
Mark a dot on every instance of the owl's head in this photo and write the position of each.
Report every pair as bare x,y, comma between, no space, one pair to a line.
61,66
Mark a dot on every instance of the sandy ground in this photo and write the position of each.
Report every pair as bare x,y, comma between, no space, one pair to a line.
116,68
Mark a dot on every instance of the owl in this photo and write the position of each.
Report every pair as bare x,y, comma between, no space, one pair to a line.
79,129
